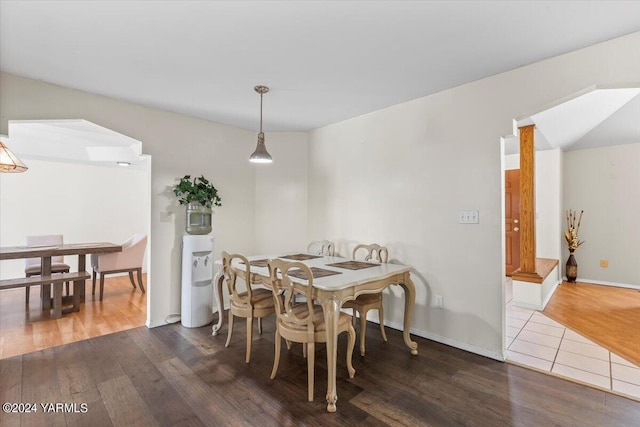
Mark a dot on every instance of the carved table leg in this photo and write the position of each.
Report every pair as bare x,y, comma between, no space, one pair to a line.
409,304
217,285
331,308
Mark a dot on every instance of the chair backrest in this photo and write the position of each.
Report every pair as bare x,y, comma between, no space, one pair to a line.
283,285
321,247
45,240
374,251
133,250
132,255
232,270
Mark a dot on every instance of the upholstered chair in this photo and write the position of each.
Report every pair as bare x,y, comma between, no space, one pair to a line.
128,261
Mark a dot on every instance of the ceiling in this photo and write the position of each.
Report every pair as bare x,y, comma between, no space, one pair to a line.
325,61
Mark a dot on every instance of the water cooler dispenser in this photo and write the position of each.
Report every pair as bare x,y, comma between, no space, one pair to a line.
197,280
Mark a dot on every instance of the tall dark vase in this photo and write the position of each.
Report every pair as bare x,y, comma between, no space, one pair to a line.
572,268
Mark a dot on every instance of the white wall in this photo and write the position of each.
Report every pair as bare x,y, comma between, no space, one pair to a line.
549,211
179,145
605,183
84,203
399,176
281,195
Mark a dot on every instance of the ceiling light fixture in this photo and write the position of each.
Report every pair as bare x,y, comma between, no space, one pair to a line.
9,163
261,155
123,164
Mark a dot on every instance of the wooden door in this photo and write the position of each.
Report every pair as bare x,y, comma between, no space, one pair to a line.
512,220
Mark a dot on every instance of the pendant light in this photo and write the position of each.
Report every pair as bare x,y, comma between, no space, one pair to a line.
261,155
9,163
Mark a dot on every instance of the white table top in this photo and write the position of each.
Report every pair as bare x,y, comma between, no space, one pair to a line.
346,279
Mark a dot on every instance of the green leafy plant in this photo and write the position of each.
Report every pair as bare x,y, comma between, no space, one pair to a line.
198,190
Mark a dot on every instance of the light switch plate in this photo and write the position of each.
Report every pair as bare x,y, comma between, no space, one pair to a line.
166,216
469,217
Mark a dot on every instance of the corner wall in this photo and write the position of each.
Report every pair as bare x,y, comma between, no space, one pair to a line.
399,177
605,183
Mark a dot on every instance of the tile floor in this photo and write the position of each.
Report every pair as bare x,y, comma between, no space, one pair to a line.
537,341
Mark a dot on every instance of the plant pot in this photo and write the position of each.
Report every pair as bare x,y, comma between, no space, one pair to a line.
572,268
198,219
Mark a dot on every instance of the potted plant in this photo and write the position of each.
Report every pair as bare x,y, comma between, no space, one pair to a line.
199,195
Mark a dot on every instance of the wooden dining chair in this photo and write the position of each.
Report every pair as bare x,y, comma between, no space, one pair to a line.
249,303
321,247
32,266
365,302
303,322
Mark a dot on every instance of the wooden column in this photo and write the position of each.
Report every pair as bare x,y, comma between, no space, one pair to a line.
527,271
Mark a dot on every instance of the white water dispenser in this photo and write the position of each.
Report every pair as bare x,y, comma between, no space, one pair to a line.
197,280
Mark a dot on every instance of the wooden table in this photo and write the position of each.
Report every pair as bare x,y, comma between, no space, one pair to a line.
46,279
331,292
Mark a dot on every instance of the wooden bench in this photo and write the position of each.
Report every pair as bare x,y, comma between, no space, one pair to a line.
56,279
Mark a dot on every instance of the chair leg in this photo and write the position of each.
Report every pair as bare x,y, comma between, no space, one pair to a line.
93,283
304,350
249,339
101,285
27,294
350,346
276,357
140,284
311,347
363,331
230,331
67,287
133,283
260,325
381,318
288,344
353,318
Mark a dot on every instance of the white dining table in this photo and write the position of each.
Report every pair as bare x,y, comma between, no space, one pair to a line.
331,292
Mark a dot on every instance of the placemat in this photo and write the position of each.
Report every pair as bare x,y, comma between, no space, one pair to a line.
315,272
257,262
353,265
300,257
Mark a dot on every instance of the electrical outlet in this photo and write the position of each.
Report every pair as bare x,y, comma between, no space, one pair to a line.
604,263
438,302
468,217
166,216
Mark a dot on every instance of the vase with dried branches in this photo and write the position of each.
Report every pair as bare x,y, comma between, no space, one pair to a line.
571,236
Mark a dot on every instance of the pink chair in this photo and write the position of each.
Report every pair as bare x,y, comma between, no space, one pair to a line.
32,266
129,260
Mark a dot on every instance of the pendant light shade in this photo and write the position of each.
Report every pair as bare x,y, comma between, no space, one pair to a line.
9,163
261,155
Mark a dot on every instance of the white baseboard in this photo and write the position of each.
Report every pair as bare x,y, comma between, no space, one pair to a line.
546,300
496,355
169,319
614,284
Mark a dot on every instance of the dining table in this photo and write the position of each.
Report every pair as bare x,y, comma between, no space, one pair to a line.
335,281
46,278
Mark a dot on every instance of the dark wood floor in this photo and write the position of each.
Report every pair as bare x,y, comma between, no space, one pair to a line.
177,376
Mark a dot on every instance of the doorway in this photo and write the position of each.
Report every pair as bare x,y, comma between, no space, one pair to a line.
512,220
